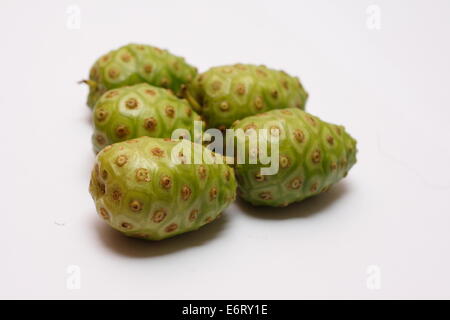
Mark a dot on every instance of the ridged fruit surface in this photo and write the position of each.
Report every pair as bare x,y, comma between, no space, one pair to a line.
313,155
137,63
229,93
140,191
139,110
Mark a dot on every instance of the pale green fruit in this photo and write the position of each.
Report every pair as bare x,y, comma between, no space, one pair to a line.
140,191
313,155
140,110
137,63
225,94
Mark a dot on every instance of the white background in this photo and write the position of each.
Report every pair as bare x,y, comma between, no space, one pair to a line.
389,87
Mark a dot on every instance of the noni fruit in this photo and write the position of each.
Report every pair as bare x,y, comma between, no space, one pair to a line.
137,63
140,110
141,191
312,156
228,93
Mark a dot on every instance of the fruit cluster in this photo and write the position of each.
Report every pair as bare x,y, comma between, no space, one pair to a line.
149,184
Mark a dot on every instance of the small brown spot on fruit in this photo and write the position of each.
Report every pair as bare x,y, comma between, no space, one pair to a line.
103,213
101,114
240,89
100,139
259,177
316,156
172,227
274,94
116,195
186,192
213,193
148,68
126,225
122,131
266,195
193,215
135,206
126,57
142,175
131,103
150,124
259,103
113,73
165,182
159,215
224,106
330,140
284,162
314,187
121,160
157,152
104,174
150,92
299,135
170,111
202,172
295,183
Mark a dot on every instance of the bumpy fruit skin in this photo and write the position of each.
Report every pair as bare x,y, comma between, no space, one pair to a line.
137,63
139,110
313,155
229,93
139,191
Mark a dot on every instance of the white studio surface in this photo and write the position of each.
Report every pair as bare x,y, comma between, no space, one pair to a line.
381,68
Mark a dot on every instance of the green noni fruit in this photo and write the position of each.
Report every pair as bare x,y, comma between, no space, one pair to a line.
137,63
313,155
228,93
141,191
139,110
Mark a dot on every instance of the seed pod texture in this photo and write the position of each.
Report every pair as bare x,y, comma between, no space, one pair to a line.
139,110
137,63
139,191
228,93
313,155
